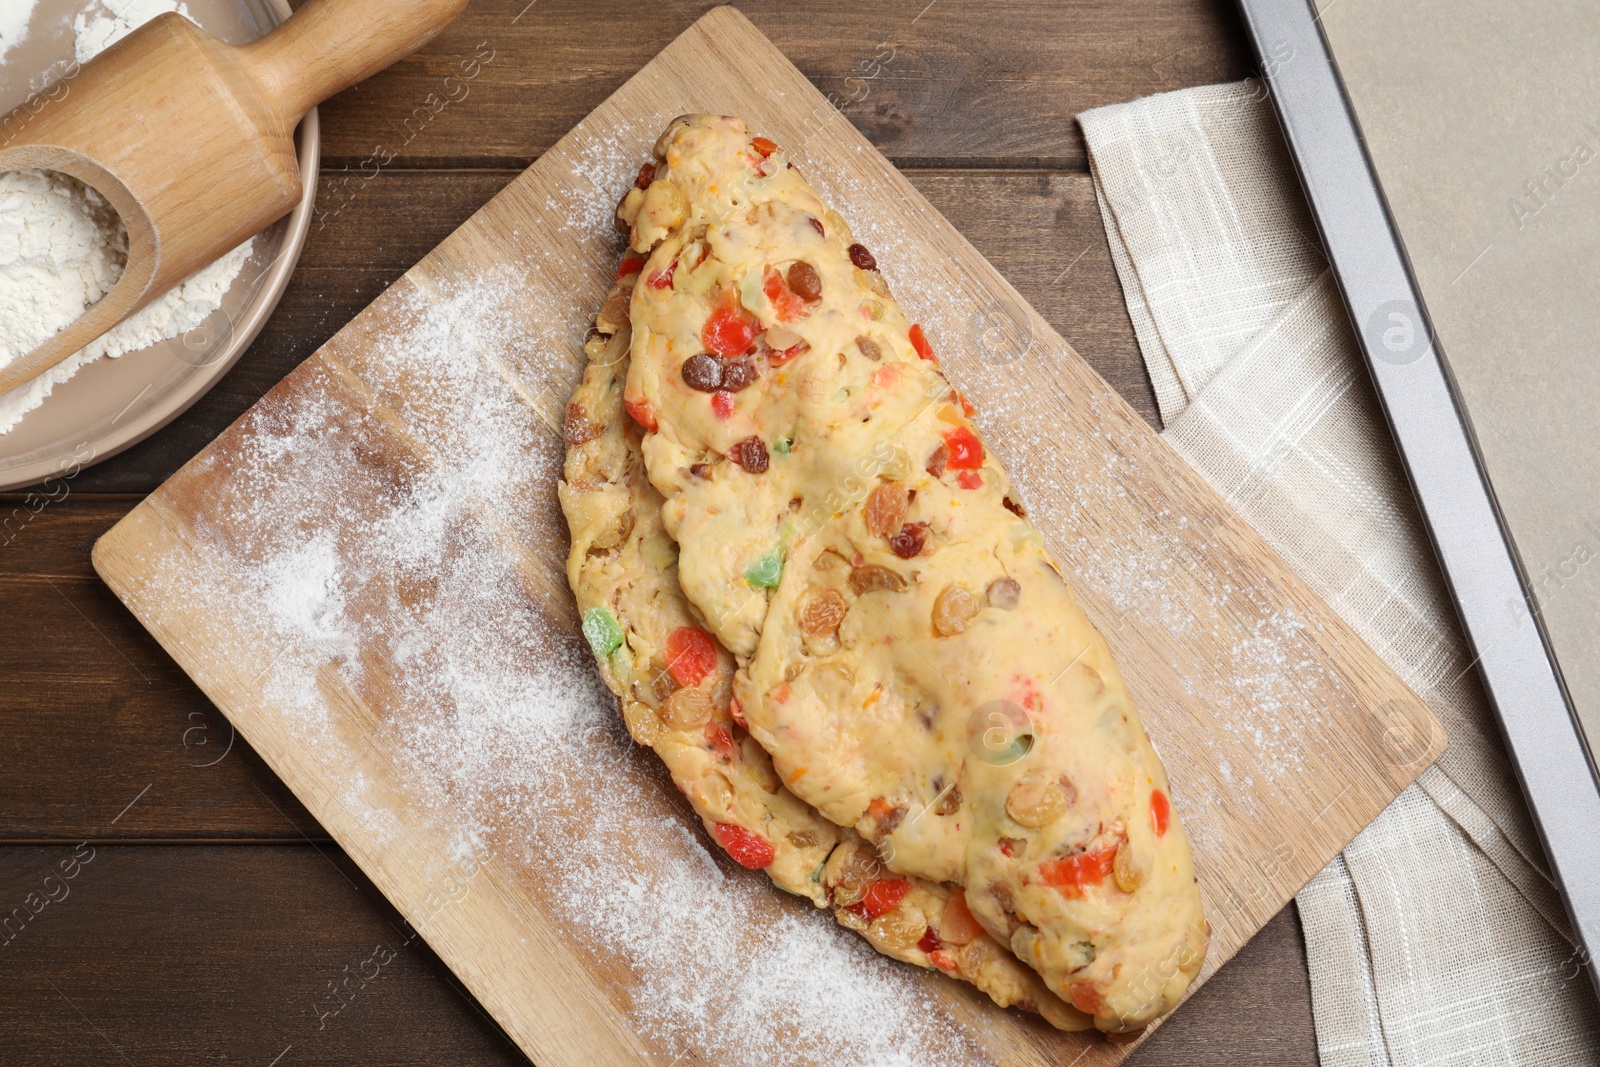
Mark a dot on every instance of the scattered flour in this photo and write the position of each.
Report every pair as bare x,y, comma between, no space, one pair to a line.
62,248
14,18
97,32
394,557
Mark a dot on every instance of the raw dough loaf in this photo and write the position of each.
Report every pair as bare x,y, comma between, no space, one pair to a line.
623,570
909,654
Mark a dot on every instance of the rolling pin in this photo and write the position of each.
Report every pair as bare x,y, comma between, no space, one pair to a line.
191,139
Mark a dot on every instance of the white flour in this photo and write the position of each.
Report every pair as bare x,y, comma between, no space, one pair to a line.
14,16
62,247
96,33
396,578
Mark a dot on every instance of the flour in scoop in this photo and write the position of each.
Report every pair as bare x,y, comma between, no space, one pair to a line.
62,246
14,18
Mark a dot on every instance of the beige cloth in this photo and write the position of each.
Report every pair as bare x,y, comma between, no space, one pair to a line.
1437,937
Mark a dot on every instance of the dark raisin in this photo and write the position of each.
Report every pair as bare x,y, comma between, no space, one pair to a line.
703,372
647,174
862,258
909,541
816,223
751,454
739,374
1015,508
869,348
940,457
890,820
700,470
804,281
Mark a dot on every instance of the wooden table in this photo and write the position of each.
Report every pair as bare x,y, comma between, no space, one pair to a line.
163,898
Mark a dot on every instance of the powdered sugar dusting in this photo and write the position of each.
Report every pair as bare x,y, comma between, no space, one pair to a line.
399,550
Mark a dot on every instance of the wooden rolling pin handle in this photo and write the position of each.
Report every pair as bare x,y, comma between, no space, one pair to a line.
329,45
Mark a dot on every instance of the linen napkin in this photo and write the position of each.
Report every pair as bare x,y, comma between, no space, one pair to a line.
1437,937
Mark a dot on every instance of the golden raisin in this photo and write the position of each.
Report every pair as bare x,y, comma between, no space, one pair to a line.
1125,869
662,683
971,957
578,430
949,802
900,928
614,313
938,459
641,720
953,610
686,707
869,348
822,612
1035,801
1004,593
871,577
857,873
804,838
885,510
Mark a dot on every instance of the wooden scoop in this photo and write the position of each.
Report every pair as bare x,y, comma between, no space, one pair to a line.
191,139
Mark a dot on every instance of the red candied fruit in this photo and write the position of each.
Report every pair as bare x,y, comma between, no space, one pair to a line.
747,849
881,897
640,410
1160,811
729,331
966,451
690,655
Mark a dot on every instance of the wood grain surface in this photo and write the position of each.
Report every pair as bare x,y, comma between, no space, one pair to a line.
1261,700
87,732
993,83
208,955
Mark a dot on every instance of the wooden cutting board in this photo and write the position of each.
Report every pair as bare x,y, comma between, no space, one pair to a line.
366,573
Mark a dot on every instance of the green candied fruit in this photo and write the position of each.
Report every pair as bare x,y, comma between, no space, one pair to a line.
601,629
765,572
782,446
